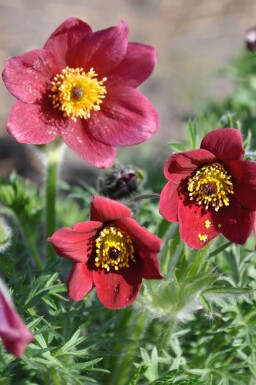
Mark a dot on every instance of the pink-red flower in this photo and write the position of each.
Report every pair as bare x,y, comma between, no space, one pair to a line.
13,332
211,190
112,252
82,86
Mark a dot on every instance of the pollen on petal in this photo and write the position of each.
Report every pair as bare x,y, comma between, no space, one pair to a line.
202,237
207,223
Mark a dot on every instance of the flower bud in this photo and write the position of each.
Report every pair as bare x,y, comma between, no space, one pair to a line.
120,181
5,235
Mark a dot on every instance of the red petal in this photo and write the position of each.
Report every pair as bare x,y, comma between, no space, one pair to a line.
13,331
28,76
29,123
197,226
117,289
75,243
80,282
224,143
183,164
126,118
147,246
244,174
237,221
79,139
105,49
67,40
138,64
169,201
141,237
106,210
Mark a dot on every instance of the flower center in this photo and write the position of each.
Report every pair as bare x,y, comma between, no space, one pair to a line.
114,248
211,185
76,93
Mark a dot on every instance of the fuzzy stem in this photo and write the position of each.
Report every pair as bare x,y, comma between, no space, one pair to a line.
52,161
126,358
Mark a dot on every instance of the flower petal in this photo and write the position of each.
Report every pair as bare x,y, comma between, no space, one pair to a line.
224,143
116,290
141,237
105,49
13,331
136,67
106,210
169,201
126,118
80,282
75,243
197,225
237,221
28,76
66,42
244,175
147,246
79,139
181,165
28,123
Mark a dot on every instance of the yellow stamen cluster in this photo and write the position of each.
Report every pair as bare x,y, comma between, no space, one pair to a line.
76,92
114,249
211,185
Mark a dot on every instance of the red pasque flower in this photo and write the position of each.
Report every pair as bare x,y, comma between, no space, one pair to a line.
13,332
82,86
211,190
112,252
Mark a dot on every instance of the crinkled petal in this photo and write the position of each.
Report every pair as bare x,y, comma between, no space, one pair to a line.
181,165
29,76
137,66
67,41
197,225
80,281
80,140
244,179
126,118
76,242
237,221
116,290
224,143
106,210
169,201
104,50
28,123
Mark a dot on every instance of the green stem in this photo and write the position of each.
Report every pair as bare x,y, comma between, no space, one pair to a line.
53,157
126,357
55,377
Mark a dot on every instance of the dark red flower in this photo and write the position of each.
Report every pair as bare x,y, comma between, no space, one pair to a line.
211,190
14,333
112,252
82,86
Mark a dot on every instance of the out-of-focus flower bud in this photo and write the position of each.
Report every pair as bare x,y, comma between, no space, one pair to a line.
250,39
5,235
120,181
13,332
